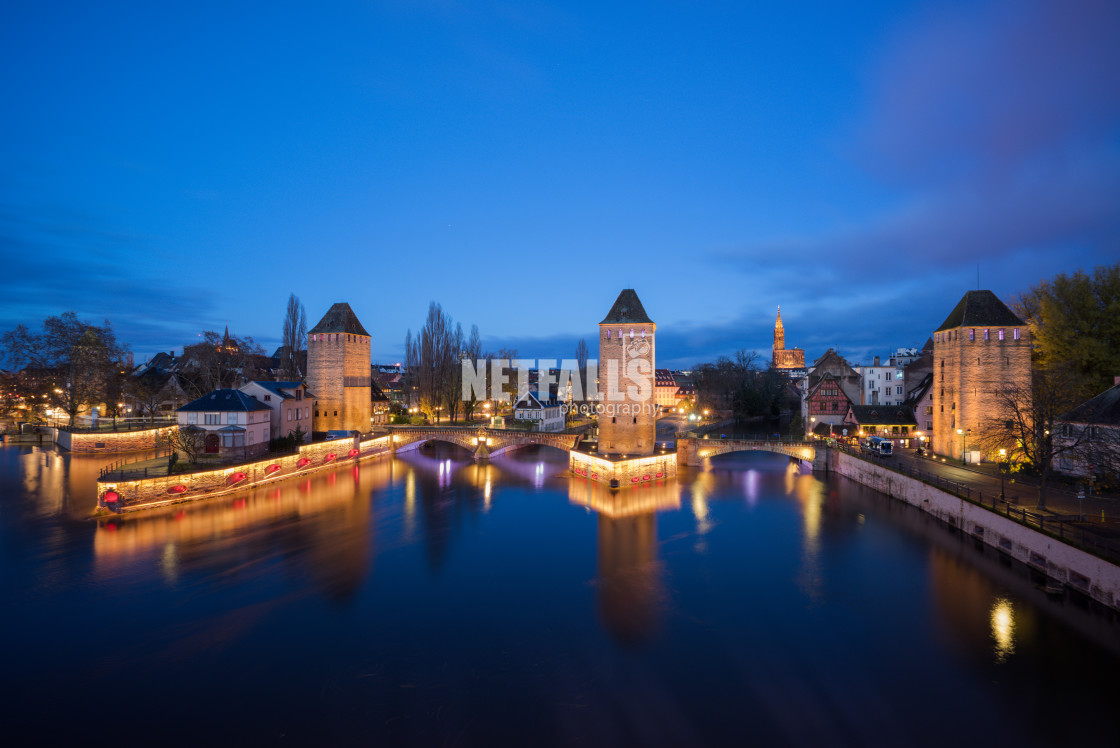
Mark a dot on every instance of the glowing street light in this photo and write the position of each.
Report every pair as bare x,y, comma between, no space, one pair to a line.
1002,458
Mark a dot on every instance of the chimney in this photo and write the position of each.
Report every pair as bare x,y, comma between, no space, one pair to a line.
876,360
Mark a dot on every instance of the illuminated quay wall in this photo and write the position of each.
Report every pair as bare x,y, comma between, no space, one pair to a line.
617,471
149,493
1074,567
113,441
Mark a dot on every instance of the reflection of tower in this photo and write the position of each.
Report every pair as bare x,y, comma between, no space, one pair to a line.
338,371
627,423
630,589
629,576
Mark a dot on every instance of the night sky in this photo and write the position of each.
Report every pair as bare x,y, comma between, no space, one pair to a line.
180,169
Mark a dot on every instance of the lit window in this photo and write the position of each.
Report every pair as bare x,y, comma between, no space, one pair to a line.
986,336
1016,333
1001,333
972,335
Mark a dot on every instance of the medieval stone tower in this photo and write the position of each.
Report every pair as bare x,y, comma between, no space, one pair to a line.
783,358
628,421
338,371
981,348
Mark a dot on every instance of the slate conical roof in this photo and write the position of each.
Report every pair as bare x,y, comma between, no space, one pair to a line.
627,309
340,318
980,309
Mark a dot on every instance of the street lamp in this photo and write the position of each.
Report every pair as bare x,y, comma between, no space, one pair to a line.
961,432
1002,458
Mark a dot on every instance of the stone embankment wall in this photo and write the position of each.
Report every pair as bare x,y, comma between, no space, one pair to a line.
1082,571
113,441
148,493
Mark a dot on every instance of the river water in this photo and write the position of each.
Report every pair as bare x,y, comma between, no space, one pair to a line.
424,600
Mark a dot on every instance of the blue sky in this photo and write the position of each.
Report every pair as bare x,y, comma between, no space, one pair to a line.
175,169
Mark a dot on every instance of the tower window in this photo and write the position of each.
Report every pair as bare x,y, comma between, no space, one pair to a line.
1016,333
635,419
986,336
972,335
614,419
1001,333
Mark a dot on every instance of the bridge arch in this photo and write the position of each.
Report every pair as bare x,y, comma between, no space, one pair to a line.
483,443
693,451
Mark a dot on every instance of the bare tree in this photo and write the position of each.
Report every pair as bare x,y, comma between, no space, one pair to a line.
294,337
581,364
81,357
190,440
1025,419
472,353
216,363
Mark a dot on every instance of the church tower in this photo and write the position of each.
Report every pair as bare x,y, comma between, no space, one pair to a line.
779,335
628,417
338,371
781,358
980,348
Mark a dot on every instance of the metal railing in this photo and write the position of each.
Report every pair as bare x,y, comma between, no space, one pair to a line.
111,425
1070,530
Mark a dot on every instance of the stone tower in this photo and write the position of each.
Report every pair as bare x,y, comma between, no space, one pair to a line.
338,371
782,358
980,348
628,421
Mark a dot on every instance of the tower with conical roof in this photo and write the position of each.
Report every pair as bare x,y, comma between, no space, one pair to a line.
628,408
980,350
338,371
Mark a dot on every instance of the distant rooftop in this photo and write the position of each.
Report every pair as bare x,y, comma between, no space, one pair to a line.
627,309
980,309
340,318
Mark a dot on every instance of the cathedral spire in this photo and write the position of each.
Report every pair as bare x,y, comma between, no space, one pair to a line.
779,333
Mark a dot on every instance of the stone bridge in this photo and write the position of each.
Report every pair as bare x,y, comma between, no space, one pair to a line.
693,451
484,443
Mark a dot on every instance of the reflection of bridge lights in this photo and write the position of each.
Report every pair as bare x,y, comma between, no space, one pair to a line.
751,481
1003,629
538,475
486,493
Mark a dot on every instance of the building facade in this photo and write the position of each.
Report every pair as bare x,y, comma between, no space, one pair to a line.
548,415
291,405
338,372
627,395
981,348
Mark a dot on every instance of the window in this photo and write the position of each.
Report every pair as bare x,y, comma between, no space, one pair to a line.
929,410
299,394
316,412
1016,333
231,418
972,335
986,336
614,419
1001,333
898,390
1065,429
267,398
252,436
929,425
289,415
212,419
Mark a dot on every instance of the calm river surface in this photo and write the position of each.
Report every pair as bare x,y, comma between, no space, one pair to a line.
425,600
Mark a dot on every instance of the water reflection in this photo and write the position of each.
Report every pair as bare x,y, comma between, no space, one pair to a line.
630,589
323,522
1003,628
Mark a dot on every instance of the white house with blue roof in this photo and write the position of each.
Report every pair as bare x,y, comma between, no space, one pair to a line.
236,425
290,403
